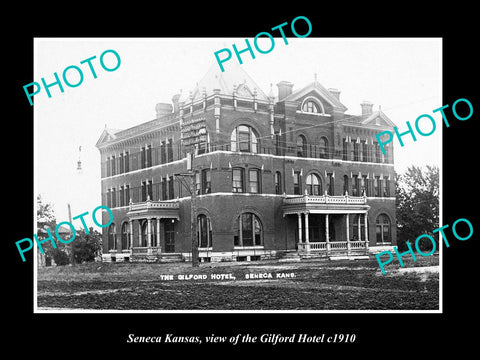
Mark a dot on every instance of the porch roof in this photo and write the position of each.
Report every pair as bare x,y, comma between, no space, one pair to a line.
154,209
325,204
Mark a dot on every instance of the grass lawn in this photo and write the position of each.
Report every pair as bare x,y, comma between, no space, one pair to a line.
314,285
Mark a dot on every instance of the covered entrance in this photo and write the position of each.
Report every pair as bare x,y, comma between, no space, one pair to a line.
329,225
155,221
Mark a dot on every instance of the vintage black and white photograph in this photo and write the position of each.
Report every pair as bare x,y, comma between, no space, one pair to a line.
204,175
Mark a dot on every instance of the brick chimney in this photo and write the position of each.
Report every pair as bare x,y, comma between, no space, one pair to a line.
335,92
163,109
284,89
175,99
367,107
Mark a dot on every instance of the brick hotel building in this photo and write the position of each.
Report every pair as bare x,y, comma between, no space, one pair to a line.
279,175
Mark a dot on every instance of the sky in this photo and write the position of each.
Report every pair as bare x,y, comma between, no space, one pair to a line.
402,75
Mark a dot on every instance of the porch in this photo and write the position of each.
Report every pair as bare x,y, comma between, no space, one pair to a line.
155,238
329,226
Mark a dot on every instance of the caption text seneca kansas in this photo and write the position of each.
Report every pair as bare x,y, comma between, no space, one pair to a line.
272,339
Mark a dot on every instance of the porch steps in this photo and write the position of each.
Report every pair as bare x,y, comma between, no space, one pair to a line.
288,256
166,257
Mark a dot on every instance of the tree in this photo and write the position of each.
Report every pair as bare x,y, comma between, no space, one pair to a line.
87,246
46,220
417,200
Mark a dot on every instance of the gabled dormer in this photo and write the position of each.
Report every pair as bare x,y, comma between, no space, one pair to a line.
312,99
378,118
107,136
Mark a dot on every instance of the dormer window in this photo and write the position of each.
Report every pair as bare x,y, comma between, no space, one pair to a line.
310,106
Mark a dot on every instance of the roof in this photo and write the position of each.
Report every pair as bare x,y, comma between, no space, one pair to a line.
322,92
107,135
233,76
385,120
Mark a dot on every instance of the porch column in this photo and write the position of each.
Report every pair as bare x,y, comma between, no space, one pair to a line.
299,228
307,242
131,235
327,235
149,232
139,233
366,230
158,234
347,218
359,228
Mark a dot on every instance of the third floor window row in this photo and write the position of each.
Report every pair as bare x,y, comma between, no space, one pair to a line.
146,157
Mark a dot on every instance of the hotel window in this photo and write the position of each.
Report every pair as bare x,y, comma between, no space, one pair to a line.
150,189
345,149
355,150
278,183
377,152
345,184
382,229
356,219
365,188
244,139
122,195
277,144
127,162
314,185
297,186
301,146
142,158
163,153
164,189
144,191
198,183
386,188
204,144
149,156
323,148
376,186
121,164
355,185
112,237
107,165
204,231
170,150
125,236
127,194
171,188
109,199
206,181
237,180
249,230
113,165
363,151
254,181
310,106
114,198
330,184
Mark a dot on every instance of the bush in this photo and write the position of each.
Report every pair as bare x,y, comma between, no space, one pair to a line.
60,257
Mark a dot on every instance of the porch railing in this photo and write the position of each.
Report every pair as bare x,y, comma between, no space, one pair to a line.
333,245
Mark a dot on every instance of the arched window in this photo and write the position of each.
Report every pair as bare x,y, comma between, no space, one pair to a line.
125,232
345,184
112,237
244,139
383,229
314,185
278,182
204,231
301,146
248,230
323,147
311,107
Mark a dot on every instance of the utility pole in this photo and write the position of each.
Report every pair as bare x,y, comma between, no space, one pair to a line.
72,257
193,206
